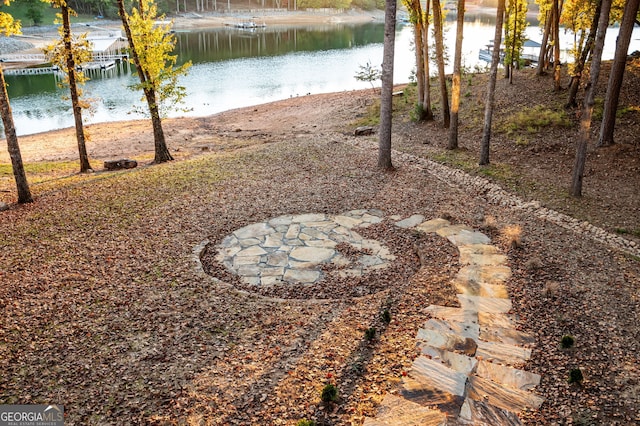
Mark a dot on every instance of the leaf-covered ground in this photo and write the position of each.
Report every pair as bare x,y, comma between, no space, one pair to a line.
104,310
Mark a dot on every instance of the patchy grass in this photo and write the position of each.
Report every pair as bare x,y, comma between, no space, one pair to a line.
533,120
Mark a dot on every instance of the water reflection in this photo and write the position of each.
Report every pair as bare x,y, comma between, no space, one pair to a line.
235,68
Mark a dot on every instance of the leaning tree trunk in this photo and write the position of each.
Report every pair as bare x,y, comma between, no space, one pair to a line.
437,23
574,84
587,109
85,166
455,86
24,194
386,97
617,74
491,87
162,153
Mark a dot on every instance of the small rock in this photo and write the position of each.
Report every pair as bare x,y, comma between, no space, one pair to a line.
3,206
363,131
120,164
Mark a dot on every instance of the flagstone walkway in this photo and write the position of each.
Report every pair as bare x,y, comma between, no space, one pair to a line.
468,371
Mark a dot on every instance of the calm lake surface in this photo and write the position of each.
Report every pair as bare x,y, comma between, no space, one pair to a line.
236,68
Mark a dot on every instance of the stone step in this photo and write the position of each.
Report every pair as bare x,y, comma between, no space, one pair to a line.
464,329
484,304
502,353
506,335
425,394
460,363
432,225
477,413
481,254
467,236
507,398
485,274
507,376
452,314
397,411
447,341
473,288
488,319
438,375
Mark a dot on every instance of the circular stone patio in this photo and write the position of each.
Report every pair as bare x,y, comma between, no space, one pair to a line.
303,249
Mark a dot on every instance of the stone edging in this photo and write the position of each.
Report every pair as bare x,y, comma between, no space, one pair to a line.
495,194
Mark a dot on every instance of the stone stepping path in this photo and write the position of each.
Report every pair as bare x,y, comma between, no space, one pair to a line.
467,372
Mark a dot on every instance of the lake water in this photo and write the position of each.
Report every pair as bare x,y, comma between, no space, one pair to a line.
235,68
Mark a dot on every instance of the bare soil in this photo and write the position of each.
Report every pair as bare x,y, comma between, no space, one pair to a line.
105,312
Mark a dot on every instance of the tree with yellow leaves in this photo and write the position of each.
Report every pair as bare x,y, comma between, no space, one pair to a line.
69,54
150,46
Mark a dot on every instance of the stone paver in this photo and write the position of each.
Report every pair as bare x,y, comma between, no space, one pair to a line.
466,373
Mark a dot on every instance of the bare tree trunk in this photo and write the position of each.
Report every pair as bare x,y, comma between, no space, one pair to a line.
574,84
161,151
545,46
437,23
491,87
22,186
513,41
587,109
455,86
556,47
386,97
85,166
416,18
617,74
428,111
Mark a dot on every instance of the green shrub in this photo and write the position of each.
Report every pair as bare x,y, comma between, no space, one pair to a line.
567,341
329,393
370,333
575,376
305,422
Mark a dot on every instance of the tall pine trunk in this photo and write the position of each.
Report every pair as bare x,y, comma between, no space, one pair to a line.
416,18
386,96
437,24
587,109
455,85
85,166
491,86
556,46
22,186
617,74
428,110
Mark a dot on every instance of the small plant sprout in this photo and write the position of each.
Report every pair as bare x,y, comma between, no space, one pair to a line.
370,333
329,393
369,73
386,316
575,376
305,422
567,341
